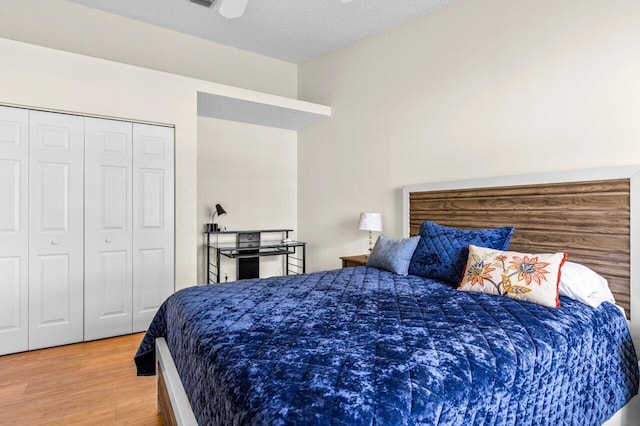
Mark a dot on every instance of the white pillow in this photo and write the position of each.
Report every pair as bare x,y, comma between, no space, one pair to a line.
584,285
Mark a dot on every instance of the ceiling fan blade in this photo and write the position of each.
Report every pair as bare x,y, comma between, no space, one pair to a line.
205,3
233,8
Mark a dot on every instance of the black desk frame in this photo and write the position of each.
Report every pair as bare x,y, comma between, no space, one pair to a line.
295,264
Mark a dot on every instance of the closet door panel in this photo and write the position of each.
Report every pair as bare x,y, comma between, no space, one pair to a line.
14,235
153,221
108,228
55,290
56,176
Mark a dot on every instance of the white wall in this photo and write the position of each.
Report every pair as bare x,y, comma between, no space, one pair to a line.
480,88
71,27
40,77
252,172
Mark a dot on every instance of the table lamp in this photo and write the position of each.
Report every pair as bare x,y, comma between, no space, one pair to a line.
213,227
370,222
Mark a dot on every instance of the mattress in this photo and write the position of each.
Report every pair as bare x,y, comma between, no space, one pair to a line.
361,346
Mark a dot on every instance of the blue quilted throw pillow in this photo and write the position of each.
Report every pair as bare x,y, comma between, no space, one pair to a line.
393,255
442,251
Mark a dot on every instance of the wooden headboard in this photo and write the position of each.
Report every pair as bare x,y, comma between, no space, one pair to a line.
590,220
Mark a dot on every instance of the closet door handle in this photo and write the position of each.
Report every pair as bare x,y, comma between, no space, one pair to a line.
55,242
108,240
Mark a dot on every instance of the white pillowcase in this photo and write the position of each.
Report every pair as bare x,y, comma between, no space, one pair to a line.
584,285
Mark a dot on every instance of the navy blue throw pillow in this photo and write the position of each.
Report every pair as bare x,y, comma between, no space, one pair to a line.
442,251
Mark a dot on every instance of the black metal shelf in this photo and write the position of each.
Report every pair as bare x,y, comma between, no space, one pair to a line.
255,249
260,254
261,231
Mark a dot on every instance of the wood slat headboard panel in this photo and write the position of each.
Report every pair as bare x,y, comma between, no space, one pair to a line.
589,220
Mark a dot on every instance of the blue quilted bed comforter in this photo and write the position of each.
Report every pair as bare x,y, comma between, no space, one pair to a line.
360,346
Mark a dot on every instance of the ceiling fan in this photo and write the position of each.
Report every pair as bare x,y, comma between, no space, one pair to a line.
228,8
234,8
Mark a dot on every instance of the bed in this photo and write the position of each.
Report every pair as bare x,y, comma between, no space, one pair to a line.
366,346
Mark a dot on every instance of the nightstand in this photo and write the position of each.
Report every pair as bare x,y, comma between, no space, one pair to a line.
350,261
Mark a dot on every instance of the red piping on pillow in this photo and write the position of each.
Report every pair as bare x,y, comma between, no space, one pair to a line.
564,259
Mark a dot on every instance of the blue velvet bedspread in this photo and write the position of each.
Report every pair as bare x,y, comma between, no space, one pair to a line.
360,346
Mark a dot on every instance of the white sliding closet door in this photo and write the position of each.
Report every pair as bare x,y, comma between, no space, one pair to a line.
108,228
153,221
14,236
56,162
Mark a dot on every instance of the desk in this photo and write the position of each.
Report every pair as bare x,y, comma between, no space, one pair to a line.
255,247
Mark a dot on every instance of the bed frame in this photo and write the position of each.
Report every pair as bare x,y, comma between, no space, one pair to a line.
594,215
172,401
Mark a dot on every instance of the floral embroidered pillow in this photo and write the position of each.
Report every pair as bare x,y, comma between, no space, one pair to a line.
523,276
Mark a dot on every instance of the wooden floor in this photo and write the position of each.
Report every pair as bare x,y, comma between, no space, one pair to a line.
92,383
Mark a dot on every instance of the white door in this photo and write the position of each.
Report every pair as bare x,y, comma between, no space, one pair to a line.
108,188
56,161
14,235
153,221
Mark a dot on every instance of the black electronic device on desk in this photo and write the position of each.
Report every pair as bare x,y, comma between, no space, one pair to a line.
249,267
249,247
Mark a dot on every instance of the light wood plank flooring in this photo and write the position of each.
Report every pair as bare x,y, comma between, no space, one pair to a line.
92,383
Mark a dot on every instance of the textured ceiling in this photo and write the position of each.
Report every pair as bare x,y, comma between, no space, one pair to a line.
292,30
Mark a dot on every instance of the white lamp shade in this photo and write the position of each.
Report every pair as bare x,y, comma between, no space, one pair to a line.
370,222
